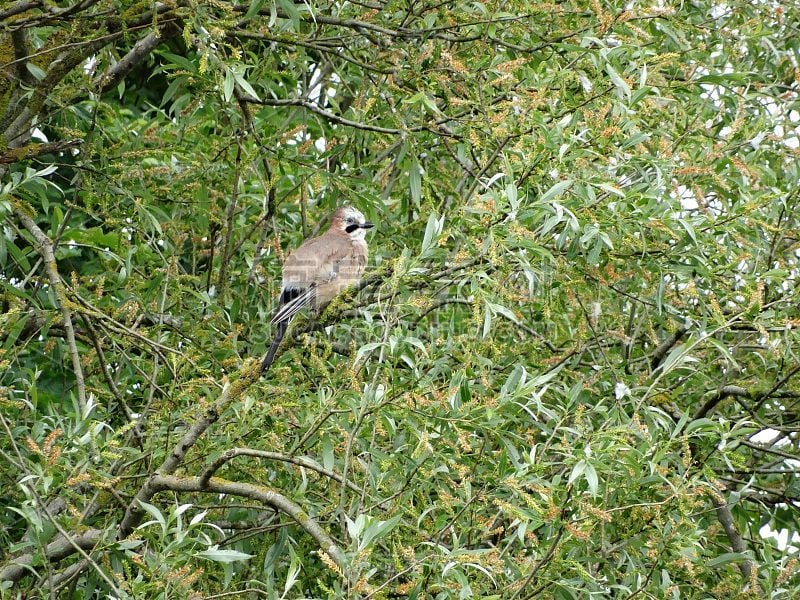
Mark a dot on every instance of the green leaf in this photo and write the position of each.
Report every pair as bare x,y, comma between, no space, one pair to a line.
255,6
154,512
228,85
180,61
727,559
432,231
12,327
612,189
35,70
556,191
499,309
366,349
415,181
705,424
577,471
590,474
618,81
244,84
677,356
224,555
376,530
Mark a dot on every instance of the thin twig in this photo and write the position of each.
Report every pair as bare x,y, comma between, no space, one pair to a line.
783,381
303,103
222,278
300,461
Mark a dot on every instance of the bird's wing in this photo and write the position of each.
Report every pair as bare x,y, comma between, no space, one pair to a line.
314,263
286,311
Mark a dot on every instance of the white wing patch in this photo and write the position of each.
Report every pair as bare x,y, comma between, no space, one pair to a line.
295,305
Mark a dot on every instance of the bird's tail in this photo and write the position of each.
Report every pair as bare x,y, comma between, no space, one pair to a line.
273,349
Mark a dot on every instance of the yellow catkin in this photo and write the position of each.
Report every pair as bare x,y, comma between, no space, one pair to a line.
329,562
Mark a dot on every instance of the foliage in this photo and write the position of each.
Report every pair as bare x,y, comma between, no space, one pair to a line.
570,369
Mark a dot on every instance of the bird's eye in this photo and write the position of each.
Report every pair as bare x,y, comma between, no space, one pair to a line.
351,220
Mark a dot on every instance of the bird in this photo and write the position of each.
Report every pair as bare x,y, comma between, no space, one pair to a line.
320,269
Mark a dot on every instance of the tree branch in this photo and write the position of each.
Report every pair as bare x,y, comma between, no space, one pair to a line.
137,54
268,497
783,381
303,103
34,150
45,249
711,403
661,352
248,374
18,567
300,461
330,52
737,543
20,6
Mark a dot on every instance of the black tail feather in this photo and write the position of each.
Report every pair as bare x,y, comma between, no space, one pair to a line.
280,331
287,295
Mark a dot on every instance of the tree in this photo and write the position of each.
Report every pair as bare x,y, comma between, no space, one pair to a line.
570,369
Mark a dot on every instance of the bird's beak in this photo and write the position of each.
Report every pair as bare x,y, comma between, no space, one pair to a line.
367,225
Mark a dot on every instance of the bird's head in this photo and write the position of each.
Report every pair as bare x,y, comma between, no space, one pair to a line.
350,221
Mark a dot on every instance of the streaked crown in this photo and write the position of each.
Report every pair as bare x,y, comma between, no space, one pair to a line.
351,221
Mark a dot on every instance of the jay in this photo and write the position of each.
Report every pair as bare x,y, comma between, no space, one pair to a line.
319,270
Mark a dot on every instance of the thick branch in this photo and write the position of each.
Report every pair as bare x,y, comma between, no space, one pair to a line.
711,403
248,375
268,497
20,7
19,38
666,346
737,542
34,150
137,54
20,566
